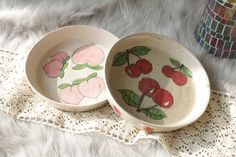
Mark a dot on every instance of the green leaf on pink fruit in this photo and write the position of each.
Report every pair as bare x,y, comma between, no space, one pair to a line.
67,58
82,66
97,67
78,81
155,113
79,66
64,85
175,62
91,76
62,73
119,59
186,71
140,50
129,97
65,66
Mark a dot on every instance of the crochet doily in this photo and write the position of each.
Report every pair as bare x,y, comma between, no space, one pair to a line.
214,134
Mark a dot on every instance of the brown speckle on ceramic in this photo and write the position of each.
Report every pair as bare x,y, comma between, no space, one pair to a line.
66,67
156,82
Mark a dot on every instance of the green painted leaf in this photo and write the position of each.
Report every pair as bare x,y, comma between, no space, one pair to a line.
119,59
186,71
79,66
130,98
140,50
78,81
91,76
67,58
82,66
62,73
175,62
155,113
64,85
97,67
65,66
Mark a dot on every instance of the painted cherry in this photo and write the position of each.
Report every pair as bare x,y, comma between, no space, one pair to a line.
116,110
179,78
91,88
90,54
52,68
148,129
163,98
59,56
168,71
71,95
144,65
133,70
148,86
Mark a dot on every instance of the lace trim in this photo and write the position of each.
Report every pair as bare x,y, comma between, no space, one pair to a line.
212,135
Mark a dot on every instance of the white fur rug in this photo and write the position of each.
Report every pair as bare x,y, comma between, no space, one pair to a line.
22,23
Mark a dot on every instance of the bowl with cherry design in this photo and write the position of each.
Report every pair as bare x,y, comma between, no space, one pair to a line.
66,67
155,82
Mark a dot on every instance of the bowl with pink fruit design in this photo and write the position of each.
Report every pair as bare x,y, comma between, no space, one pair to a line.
155,82
66,67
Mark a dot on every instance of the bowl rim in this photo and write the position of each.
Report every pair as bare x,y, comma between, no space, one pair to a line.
61,105
143,122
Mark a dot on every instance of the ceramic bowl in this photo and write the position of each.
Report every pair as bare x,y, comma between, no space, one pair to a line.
155,83
66,67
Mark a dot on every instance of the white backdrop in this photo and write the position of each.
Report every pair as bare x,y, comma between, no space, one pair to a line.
22,23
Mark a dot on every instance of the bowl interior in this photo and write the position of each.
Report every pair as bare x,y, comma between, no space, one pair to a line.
67,65
156,80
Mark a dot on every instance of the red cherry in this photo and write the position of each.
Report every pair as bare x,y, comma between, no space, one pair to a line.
148,86
116,110
148,129
133,70
144,65
179,78
163,98
168,71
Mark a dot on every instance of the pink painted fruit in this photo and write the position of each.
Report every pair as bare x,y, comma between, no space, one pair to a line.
90,54
163,98
91,88
71,95
52,68
59,56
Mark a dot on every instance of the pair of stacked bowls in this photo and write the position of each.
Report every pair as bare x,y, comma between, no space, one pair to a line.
148,79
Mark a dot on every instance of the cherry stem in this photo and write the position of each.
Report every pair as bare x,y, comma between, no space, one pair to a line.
179,67
128,52
148,108
140,102
135,55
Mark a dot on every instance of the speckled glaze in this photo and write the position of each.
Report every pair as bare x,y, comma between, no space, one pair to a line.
66,67
155,83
